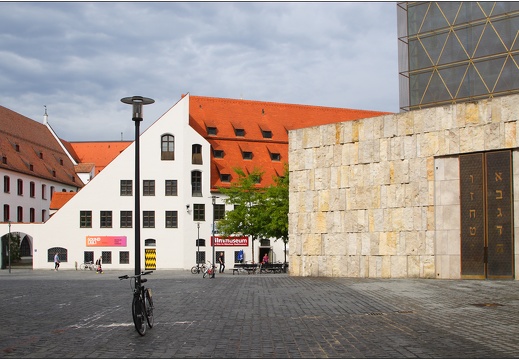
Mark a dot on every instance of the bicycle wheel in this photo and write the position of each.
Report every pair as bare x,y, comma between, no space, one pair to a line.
82,267
138,312
205,274
195,270
148,302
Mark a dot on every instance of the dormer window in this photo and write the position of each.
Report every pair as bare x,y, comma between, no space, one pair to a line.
247,155
225,178
239,132
218,154
61,162
211,130
275,156
41,155
267,134
17,147
4,159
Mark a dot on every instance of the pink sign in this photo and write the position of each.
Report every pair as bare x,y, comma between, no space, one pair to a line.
106,241
230,241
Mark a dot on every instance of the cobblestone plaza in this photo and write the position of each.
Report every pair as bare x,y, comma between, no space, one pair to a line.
74,314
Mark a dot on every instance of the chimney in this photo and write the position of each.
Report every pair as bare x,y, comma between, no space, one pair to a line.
45,116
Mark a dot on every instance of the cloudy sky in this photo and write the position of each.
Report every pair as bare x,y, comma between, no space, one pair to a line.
80,58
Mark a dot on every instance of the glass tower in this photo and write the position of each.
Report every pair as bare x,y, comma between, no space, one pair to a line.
452,52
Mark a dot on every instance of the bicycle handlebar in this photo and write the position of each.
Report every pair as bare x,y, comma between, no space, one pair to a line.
135,276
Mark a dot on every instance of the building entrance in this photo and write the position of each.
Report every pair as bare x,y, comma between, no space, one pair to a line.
486,215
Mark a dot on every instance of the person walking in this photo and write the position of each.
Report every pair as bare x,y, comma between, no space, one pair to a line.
56,262
222,263
99,268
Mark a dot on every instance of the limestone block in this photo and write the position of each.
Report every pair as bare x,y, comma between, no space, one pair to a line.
405,123
323,197
386,267
384,149
429,241
353,241
322,178
365,243
401,243
449,192
366,151
310,266
387,243
311,137
319,222
379,223
430,118
335,244
328,135
452,137
494,136
454,242
413,266
428,144
398,266
309,158
507,106
364,266
408,218
418,218
353,266
396,148
428,270
347,132
447,116
350,154
451,217
411,194
430,168
295,265
476,134
390,126
511,139
367,130
410,147
415,244
355,129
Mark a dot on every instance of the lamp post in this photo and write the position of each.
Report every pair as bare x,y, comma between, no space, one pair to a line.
198,244
137,102
9,246
214,197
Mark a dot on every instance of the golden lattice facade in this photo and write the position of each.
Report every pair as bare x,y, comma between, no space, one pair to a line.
451,52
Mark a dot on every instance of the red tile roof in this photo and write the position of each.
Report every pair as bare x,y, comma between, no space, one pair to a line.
255,118
29,147
101,153
59,199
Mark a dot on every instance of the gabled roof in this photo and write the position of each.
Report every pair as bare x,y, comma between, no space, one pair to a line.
260,128
29,147
100,153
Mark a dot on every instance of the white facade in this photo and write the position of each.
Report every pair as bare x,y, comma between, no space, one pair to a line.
175,247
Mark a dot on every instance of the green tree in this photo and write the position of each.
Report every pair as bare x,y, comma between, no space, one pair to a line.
247,218
258,212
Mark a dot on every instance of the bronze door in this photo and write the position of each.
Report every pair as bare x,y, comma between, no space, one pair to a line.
486,215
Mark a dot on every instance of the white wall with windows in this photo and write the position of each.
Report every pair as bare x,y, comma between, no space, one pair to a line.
175,199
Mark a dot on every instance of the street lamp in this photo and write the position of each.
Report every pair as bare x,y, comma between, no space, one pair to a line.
9,246
198,244
137,102
214,197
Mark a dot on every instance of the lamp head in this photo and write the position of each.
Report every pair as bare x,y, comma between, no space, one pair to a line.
137,102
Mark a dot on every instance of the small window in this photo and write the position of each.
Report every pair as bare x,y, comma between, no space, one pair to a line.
54,173
20,187
126,217
200,242
171,219
85,219
61,162
200,257
32,215
225,177
88,256
106,219
17,147
211,130
198,212
62,253
196,183
31,167
20,214
171,188
41,155
124,257
264,242
7,217
239,132
106,257
218,154
196,154
150,242
219,211
267,134
7,184
44,191
275,156
167,147
43,215
148,219
126,187
148,188
4,159
247,155
256,179
32,189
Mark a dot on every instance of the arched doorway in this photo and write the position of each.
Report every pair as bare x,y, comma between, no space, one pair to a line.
21,250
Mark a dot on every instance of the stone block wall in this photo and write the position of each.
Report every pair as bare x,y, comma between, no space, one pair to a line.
379,197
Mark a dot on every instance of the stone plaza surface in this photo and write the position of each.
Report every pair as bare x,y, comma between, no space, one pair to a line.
81,314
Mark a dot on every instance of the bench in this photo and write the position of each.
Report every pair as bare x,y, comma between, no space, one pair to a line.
235,270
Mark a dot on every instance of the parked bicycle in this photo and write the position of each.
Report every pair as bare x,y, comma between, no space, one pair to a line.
198,268
209,271
88,265
142,303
